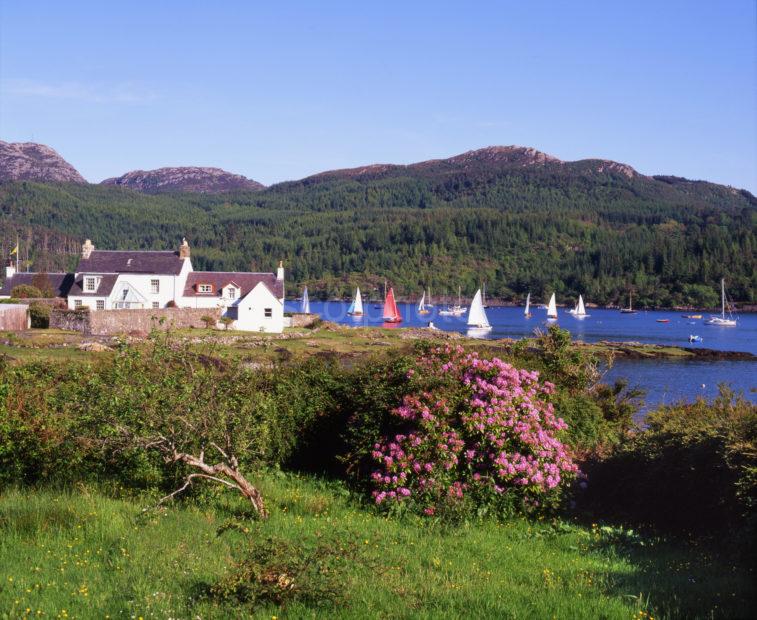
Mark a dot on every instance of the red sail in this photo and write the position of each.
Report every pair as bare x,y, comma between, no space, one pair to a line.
391,314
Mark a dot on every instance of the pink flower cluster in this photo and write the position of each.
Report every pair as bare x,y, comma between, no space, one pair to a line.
484,429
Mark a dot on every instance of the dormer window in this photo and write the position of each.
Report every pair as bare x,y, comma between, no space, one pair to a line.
90,284
205,288
231,292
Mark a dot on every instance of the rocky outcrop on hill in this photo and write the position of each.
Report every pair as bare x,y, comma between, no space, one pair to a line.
27,161
184,179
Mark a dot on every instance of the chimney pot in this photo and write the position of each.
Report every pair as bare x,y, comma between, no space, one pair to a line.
86,249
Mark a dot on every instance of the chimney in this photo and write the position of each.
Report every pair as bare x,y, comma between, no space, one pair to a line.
280,271
10,270
86,249
184,249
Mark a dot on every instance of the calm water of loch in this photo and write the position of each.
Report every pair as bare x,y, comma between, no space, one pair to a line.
664,381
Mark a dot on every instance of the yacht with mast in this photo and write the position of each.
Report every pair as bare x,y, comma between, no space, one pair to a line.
630,309
305,304
552,308
527,311
391,314
579,311
477,320
356,307
458,310
722,320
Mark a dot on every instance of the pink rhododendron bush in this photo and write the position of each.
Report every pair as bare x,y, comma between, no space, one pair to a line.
474,434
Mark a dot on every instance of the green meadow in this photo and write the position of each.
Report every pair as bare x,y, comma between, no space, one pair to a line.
79,553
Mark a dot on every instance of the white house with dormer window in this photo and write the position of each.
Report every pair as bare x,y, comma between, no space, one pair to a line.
117,279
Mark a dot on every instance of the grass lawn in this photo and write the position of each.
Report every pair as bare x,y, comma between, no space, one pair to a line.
80,554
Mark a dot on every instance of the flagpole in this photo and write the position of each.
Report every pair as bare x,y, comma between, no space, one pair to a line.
17,252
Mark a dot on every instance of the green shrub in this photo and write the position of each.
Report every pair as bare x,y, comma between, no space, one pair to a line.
281,572
26,291
693,469
39,314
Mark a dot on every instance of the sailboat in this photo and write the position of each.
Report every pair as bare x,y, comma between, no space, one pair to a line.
579,311
477,319
430,304
527,311
422,304
356,307
391,314
721,320
305,305
630,309
552,309
457,310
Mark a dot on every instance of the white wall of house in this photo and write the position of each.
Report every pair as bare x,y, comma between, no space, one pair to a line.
260,310
144,292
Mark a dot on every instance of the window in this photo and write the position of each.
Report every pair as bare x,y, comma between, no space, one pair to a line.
100,304
90,284
268,313
204,288
156,304
77,303
155,286
231,292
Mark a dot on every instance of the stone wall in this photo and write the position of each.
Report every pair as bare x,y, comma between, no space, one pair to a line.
14,317
110,322
72,320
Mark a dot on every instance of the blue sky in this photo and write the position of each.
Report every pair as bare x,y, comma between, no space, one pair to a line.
280,90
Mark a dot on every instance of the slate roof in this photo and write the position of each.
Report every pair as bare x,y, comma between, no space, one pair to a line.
60,282
107,282
159,263
244,280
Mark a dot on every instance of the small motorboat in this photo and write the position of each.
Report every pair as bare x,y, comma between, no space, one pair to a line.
691,316
695,338
663,320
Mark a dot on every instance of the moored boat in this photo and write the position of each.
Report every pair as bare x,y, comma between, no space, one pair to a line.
579,311
630,309
305,304
722,320
356,307
422,309
477,319
391,314
552,308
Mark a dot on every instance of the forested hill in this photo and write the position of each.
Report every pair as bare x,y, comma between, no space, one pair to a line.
517,220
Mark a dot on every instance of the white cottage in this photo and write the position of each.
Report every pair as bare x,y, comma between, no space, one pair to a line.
118,279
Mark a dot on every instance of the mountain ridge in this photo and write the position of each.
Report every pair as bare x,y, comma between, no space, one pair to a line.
194,179
37,162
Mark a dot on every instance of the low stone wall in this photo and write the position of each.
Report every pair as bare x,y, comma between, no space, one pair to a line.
109,322
72,320
14,317
300,319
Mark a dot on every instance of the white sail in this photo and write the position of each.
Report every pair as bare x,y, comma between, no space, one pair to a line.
552,308
305,306
527,311
476,314
356,307
580,309
422,302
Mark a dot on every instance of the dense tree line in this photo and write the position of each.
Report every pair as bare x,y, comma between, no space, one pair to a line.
668,239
